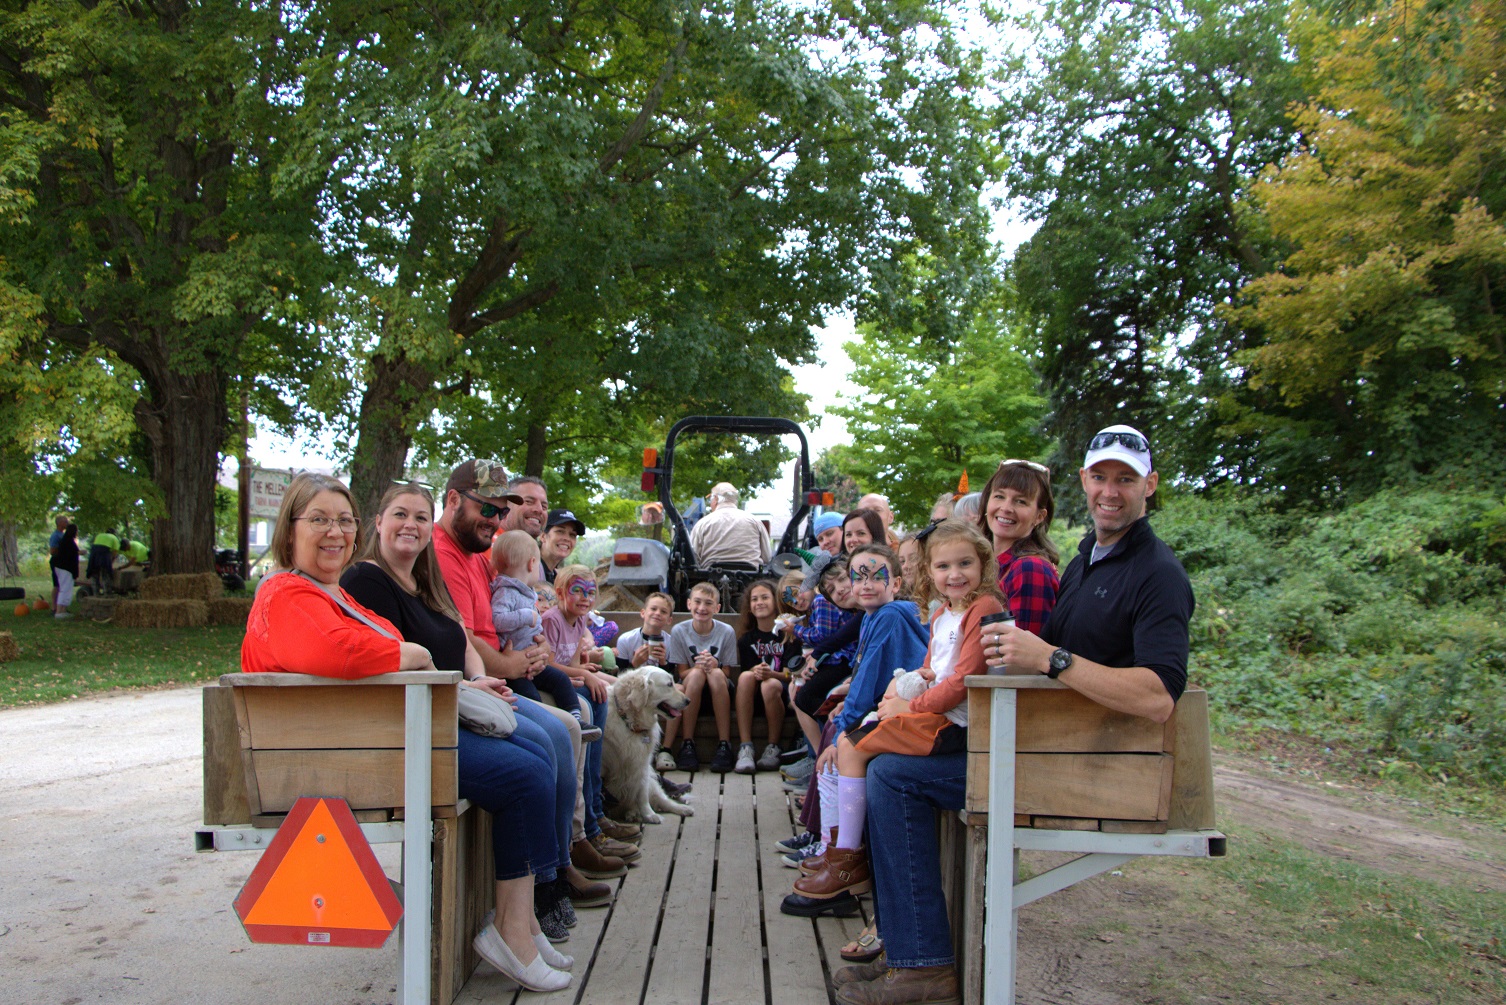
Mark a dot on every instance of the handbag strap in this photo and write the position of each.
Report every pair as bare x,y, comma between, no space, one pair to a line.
346,606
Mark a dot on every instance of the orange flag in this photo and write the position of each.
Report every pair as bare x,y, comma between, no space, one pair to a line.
962,485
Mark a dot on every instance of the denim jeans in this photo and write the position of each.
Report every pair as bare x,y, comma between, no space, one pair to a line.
904,793
595,806
512,779
537,723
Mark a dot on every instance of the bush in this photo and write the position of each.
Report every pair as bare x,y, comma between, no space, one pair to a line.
1380,624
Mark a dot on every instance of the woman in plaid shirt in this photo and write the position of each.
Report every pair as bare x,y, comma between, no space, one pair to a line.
1016,518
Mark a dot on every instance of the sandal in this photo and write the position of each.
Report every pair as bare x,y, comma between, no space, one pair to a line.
866,948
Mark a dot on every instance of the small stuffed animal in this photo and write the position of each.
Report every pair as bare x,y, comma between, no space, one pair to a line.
909,684
785,622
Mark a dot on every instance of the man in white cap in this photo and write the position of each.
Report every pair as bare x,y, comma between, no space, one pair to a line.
728,534
1118,634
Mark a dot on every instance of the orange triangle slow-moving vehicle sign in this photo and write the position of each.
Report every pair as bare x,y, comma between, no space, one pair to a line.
319,883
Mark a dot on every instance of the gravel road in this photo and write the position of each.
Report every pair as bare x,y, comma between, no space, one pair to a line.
102,897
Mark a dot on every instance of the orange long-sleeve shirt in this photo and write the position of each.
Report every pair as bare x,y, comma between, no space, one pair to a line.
295,627
946,695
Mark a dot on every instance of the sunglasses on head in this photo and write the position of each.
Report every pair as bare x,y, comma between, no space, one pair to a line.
1130,441
488,511
1032,465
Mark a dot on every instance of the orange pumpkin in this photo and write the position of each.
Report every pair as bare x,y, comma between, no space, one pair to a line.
40,605
22,609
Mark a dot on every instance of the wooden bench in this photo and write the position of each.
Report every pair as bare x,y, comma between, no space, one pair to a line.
1086,779
271,738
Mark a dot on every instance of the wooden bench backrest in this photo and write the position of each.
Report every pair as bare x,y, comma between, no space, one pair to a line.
1079,765
298,735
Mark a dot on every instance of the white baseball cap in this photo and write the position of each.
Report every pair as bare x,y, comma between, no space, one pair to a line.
1120,443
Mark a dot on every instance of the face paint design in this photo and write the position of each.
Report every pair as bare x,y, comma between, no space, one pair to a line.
580,588
865,572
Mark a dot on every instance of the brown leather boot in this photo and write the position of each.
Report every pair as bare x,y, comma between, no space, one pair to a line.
870,971
584,893
618,830
816,863
846,872
585,857
905,986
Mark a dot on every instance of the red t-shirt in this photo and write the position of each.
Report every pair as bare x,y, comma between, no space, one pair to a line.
296,627
467,574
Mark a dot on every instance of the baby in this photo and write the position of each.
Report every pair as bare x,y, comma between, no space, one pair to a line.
517,614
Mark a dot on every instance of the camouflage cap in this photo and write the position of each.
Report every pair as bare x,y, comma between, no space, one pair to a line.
486,478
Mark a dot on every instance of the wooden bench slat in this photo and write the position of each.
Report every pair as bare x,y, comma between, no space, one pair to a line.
366,779
308,718
1116,786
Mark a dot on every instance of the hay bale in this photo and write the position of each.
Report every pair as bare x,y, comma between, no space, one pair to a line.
230,611
95,608
8,648
202,586
162,614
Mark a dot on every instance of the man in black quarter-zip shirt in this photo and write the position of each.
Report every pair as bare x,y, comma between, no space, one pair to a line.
1118,633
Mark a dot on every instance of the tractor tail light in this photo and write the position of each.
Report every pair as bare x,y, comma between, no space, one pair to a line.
626,559
648,481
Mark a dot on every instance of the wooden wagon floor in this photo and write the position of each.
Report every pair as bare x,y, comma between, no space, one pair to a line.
696,921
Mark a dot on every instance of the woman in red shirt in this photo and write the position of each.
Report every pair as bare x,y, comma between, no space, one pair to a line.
299,624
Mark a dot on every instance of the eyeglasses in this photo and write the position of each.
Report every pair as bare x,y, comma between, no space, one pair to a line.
413,482
488,511
1131,441
1032,465
347,524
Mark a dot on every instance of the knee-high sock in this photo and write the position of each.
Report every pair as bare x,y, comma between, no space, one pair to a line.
826,786
852,811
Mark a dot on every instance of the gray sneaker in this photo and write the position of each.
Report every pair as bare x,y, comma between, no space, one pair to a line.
664,760
769,760
745,765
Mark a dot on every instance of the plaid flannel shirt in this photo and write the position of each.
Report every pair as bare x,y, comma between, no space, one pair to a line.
825,618
1029,584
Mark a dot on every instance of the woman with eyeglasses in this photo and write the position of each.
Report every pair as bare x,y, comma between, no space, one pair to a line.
303,621
1017,506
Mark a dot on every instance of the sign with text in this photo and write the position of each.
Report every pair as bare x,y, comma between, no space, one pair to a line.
267,487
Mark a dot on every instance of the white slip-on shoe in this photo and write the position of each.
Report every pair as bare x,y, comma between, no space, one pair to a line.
537,976
552,956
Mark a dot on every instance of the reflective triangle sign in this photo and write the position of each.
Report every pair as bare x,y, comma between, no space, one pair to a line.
319,883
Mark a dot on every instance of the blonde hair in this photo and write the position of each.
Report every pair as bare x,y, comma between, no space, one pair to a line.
568,574
947,532
301,491
670,601
512,550
704,587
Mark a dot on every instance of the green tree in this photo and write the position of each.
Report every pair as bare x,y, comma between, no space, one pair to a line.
687,189
931,408
1133,130
143,213
1381,343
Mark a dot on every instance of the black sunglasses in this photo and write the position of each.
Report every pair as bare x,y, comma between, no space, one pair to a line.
1133,441
488,511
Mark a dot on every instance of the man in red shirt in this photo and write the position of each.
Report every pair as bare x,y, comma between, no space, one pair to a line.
475,500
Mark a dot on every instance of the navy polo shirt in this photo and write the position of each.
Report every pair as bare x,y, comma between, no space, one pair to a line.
1128,609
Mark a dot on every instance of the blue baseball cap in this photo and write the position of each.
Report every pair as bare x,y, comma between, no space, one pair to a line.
825,522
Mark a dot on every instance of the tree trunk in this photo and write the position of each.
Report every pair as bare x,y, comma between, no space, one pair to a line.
538,449
183,418
10,554
397,397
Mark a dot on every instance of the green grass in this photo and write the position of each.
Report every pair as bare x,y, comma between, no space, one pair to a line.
71,658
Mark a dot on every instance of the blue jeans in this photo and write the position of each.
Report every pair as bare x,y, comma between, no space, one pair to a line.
591,784
904,793
512,779
538,724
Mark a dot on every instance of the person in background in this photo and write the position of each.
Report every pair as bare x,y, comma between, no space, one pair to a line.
941,509
60,524
561,531
860,527
101,570
64,563
880,505
828,531
702,656
968,507
728,535
766,659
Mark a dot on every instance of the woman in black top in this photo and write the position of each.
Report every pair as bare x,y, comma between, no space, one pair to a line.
397,576
64,563
767,660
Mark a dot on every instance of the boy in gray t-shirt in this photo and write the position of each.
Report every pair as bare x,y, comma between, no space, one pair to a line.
702,653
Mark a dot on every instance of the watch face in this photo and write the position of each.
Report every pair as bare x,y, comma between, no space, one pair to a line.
1060,660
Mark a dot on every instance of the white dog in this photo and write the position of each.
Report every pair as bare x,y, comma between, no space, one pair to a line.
631,735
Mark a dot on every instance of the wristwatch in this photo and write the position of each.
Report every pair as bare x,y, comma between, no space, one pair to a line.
1060,660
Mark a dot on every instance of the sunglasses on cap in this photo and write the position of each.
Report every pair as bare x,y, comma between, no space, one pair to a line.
488,511
1130,441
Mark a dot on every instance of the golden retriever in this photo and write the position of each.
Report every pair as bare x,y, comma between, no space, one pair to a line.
631,736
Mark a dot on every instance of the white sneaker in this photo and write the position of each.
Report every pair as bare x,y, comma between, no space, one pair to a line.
664,761
745,765
62,614
769,759
537,976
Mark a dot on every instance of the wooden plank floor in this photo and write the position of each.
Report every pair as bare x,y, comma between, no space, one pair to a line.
696,921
